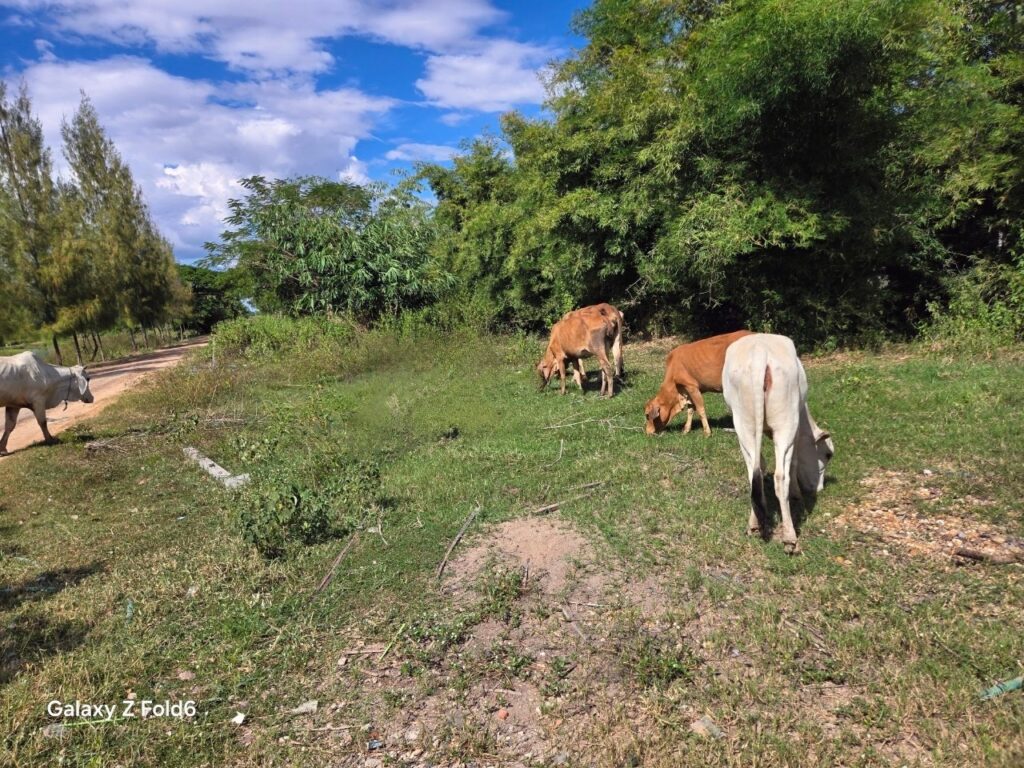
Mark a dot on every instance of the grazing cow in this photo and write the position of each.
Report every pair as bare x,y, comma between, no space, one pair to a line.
577,335
690,369
617,319
766,389
28,382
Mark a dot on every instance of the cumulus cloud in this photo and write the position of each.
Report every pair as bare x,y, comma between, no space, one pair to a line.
187,147
266,35
411,152
496,78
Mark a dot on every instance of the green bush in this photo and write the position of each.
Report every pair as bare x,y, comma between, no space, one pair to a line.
986,308
285,506
268,335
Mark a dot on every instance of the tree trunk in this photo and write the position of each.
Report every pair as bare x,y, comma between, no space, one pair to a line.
99,343
131,333
56,348
78,347
145,336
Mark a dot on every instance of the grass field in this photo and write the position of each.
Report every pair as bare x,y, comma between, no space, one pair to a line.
123,572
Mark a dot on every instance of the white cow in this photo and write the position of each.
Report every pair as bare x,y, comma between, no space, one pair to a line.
765,387
28,382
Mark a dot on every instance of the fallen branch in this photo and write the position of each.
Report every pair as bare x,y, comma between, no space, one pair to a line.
391,645
458,537
334,566
986,557
558,504
572,623
362,651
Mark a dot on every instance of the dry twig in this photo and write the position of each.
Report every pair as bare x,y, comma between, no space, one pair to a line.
458,537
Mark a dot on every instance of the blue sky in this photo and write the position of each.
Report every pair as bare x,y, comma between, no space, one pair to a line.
199,93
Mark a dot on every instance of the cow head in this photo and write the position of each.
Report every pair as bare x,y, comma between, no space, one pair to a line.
79,389
662,408
825,449
546,369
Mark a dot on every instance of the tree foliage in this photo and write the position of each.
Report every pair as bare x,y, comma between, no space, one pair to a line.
311,245
80,254
813,167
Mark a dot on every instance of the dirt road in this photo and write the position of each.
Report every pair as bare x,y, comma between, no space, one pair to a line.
107,382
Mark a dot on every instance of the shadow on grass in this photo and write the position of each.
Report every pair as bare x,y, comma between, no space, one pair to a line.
45,585
31,636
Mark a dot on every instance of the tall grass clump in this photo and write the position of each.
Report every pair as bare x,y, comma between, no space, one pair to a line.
986,309
262,336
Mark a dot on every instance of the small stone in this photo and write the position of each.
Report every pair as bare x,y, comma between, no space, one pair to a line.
54,731
503,714
706,727
413,734
306,708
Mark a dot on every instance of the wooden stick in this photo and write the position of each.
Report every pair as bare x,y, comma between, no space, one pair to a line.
458,537
985,557
334,566
391,645
557,505
572,623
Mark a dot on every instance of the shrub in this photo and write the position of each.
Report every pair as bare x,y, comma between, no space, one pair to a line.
268,335
986,308
286,506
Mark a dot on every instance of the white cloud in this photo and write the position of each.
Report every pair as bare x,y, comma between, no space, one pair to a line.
411,152
501,75
187,148
267,35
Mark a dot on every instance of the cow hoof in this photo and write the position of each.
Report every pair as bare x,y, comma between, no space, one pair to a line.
707,433
792,547
3,453
755,531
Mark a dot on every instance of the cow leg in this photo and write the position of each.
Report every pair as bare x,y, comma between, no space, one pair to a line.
561,376
607,372
10,420
578,374
785,445
689,420
620,370
40,411
698,402
750,447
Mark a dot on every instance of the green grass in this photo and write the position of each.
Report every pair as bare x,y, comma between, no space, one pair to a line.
123,571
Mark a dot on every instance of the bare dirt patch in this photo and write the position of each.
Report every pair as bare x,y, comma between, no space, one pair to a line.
901,510
546,672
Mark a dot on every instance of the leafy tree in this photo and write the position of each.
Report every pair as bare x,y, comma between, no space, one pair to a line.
813,167
311,245
28,207
216,295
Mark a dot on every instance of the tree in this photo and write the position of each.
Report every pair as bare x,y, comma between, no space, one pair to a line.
814,167
135,276
216,295
28,207
311,245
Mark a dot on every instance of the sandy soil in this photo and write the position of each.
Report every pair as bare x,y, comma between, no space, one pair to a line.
107,382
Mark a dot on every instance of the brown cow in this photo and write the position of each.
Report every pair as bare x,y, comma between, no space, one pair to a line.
577,335
617,319
689,370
